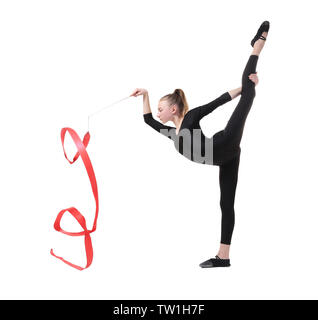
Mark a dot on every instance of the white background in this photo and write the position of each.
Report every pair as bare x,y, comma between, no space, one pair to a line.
159,212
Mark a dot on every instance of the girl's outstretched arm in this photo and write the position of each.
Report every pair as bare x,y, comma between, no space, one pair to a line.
148,118
199,112
146,102
143,92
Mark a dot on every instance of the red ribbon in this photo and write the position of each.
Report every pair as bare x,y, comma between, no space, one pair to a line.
81,147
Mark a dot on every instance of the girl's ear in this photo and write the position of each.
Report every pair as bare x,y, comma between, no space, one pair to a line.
174,109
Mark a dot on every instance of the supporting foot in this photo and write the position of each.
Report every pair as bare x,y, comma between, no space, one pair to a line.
215,262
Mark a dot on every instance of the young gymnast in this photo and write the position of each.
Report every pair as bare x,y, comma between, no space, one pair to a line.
224,146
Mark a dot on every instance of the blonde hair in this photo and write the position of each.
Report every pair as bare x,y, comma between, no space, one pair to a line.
178,98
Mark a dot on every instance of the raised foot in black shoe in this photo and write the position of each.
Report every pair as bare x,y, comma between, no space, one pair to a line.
217,262
263,28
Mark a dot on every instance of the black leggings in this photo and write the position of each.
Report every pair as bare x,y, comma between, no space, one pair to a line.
232,135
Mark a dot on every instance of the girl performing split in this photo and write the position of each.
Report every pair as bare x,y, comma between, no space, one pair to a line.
223,149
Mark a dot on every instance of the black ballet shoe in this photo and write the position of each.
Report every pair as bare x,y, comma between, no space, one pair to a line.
217,262
263,28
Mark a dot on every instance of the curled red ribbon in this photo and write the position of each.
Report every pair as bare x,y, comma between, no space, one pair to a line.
81,147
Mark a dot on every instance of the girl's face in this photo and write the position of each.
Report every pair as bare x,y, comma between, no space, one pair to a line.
165,111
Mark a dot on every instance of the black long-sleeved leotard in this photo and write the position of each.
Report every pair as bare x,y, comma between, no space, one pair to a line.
191,142
226,143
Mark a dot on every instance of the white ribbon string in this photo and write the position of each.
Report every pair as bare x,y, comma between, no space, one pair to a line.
98,111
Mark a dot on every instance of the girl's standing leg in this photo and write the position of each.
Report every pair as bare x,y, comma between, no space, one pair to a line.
228,176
